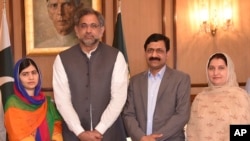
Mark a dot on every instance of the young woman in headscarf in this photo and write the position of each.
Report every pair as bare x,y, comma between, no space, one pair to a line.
29,114
221,104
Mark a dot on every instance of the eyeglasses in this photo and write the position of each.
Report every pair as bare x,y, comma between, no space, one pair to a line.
158,50
91,26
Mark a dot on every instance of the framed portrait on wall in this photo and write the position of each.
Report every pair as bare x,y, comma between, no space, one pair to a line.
49,26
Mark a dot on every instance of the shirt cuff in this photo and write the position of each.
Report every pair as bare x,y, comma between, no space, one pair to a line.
101,128
78,129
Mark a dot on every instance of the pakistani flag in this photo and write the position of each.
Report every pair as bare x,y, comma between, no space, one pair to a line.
6,60
119,41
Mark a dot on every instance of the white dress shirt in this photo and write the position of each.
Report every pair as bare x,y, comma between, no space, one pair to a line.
154,83
118,97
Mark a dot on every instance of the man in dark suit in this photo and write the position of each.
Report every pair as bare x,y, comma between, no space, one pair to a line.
158,103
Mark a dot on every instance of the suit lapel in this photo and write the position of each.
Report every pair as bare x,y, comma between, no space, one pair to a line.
144,90
164,82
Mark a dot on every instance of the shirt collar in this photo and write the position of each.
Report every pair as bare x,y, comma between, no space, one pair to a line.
89,54
159,74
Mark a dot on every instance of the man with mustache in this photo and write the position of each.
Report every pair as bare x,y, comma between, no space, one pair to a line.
158,103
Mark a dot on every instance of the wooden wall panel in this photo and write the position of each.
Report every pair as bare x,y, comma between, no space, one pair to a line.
140,19
194,47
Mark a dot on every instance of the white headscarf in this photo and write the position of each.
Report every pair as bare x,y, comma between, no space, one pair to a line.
231,75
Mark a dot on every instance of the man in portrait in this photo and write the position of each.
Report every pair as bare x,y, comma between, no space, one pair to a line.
61,14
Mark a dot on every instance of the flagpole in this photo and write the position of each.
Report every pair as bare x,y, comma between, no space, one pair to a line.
4,7
119,6
4,3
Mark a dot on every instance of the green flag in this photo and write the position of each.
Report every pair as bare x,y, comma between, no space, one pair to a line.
6,61
119,41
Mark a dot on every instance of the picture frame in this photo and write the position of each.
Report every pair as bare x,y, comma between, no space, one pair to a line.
38,26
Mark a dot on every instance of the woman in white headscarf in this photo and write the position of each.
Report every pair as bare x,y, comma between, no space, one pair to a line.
219,105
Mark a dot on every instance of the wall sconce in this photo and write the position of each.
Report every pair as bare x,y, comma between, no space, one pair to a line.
215,15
